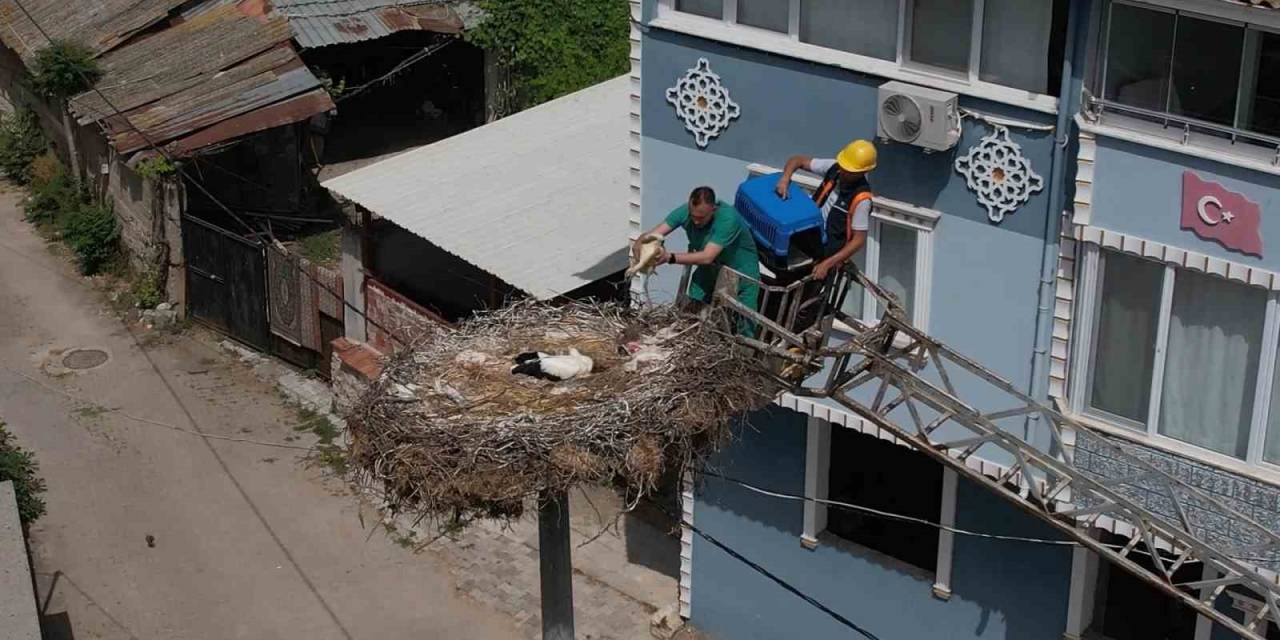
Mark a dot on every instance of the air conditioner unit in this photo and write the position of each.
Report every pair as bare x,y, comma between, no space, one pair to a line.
918,115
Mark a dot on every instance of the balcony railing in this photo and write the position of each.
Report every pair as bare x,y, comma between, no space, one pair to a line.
1096,107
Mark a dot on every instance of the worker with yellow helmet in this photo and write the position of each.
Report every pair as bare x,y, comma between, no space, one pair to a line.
844,198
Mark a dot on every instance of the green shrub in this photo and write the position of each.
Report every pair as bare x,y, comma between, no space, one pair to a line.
44,168
146,289
19,466
554,47
93,236
155,167
53,196
21,140
64,69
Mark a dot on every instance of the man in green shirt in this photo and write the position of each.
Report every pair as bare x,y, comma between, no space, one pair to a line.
718,236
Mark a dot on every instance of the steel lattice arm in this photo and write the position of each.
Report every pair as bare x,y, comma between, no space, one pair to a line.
904,381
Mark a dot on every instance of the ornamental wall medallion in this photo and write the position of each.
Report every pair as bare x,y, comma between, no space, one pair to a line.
702,103
999,174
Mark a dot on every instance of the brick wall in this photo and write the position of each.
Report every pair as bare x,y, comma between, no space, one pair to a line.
353,366
397,314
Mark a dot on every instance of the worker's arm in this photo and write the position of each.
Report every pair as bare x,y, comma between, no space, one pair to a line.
854,245
708,255
661,230
793,164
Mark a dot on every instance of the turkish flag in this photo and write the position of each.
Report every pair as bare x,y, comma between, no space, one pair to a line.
1212,212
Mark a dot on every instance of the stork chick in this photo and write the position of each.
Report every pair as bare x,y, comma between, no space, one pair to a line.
553,367
646,259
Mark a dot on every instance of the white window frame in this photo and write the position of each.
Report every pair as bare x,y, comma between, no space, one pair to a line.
924,271
817,474
902,68
1090,279
1249,147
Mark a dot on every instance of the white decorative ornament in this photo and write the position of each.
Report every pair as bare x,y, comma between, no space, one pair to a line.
702,103
996,170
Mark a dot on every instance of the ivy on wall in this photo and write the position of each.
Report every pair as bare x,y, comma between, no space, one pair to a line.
549,48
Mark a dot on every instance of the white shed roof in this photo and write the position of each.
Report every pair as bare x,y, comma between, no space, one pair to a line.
538,199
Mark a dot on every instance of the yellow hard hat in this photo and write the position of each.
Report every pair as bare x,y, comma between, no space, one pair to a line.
859,156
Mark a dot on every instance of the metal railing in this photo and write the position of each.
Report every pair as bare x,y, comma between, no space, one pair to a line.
903,381
1186,125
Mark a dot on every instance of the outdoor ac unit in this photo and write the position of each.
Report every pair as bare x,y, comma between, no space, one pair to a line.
918,115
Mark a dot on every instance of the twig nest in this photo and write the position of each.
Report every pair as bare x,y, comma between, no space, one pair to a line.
448,432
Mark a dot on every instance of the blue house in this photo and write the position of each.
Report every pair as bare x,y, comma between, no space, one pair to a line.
1079,202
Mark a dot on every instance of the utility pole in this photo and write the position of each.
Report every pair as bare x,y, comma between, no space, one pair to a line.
556,565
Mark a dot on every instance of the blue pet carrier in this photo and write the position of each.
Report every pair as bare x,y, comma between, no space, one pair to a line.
775,222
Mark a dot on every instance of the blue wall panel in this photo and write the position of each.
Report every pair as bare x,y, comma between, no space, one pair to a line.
1001,589
1138,190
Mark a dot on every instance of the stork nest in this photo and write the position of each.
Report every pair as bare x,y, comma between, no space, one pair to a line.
448,433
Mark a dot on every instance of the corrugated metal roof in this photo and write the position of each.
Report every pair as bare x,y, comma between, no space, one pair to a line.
100,25
317,23
223,63
538,199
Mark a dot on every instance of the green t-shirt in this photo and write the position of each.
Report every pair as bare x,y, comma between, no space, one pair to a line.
727,229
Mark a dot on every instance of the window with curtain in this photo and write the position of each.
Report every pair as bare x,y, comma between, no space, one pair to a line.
897,272
1124,343
889,258
1192,65
1022,26
941,31
1211,368
1020,42
869,28
1209,376
707,8
774,15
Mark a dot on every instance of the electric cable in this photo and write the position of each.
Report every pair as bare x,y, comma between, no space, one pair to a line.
199,185
764,572
885,514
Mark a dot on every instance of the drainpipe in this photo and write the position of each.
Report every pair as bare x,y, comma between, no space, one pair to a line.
1068,104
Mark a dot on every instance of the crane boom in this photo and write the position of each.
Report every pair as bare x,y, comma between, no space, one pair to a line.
908,383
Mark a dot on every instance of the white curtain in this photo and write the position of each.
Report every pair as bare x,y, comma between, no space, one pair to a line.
867,27
708,8
1211,367
1271,449
898,264
766,14
853,300
941,32
1015,43
1125,339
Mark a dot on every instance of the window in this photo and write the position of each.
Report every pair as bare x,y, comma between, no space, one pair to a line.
940,32
1218,74
868,471
1003,42
1179,354
895,257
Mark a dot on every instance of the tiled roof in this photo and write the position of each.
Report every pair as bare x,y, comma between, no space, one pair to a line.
222,73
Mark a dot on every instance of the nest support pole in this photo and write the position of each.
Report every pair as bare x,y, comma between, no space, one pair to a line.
555,564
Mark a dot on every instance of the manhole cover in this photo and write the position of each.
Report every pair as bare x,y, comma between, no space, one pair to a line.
81,359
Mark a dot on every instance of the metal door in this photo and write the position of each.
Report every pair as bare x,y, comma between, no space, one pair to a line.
226,281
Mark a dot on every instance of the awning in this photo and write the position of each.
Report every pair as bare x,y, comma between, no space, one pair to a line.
538,199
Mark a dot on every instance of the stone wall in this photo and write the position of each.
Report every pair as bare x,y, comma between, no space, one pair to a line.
387,310
19,619
1252,498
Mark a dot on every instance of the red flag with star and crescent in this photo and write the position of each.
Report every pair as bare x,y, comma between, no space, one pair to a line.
1212,212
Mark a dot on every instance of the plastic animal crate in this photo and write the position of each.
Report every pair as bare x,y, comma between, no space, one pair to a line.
775,222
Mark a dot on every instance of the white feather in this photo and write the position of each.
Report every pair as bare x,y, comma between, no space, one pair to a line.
566,367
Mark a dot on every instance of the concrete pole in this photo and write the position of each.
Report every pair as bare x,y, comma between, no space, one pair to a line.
556,564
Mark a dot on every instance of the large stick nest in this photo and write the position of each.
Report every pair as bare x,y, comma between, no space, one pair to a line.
448,433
